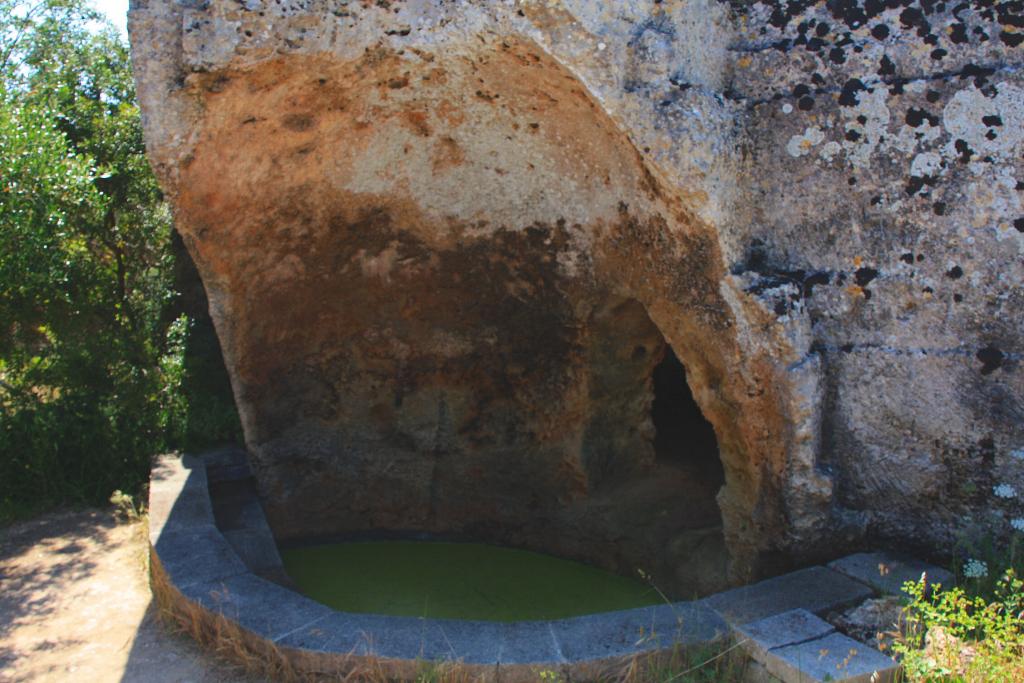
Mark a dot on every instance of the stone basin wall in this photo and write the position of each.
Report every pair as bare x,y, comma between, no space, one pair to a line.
446,243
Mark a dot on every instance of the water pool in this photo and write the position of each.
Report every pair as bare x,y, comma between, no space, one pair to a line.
457,581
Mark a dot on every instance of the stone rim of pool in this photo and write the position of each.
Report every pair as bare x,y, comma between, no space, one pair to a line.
219,578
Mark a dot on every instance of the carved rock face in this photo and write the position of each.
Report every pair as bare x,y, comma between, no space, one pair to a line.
430,278
446,250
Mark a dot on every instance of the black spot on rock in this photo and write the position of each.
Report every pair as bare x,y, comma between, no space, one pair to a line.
920,257
805,103
852,135
1011,39
991,359
907,258
863,276
911,16
851,181
801,90
916,183
933,96
1019,224
1011,13
992,120
875,7
939,208
815,278
846,348
938,53
978,73
862,119
822,29
876,200
964,150
991,135
1019,186
928,290
958,34
886,67
837,55
817,78
880,31
955,273
915,117
850,12
958,298
850,97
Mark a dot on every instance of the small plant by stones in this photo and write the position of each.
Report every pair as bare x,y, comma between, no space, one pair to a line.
951,636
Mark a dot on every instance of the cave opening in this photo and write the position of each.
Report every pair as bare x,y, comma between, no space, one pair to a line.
684,438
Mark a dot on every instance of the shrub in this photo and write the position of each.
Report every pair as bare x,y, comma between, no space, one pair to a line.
94,367
952,636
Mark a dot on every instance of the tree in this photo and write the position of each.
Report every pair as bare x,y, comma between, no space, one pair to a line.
92,355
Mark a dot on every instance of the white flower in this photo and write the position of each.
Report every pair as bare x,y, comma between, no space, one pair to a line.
1004,491
1017,523
975,569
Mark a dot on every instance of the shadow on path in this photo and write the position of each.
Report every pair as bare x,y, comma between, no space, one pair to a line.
75,605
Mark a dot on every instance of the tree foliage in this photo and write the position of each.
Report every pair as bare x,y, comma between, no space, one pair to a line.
92,355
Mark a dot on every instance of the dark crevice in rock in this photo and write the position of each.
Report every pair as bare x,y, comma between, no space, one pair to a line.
683,434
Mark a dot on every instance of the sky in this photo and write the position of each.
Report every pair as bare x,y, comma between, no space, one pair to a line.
115,10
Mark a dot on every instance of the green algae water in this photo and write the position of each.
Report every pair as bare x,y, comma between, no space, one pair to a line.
457,581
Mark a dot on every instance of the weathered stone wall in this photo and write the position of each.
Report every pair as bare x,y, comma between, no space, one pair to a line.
445,244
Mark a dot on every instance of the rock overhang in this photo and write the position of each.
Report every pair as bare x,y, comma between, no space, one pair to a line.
805,352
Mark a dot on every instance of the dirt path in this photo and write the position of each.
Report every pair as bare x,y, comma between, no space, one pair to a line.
75,606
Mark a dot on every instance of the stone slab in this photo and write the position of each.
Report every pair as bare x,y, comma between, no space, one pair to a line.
835,658
482,642
781,630
887,572
197,556
529,642
256,548
178,495
236,505
404,638
266,609
815,589
626,632
239,516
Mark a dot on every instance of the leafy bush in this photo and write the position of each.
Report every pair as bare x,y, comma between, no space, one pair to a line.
951,636
94,367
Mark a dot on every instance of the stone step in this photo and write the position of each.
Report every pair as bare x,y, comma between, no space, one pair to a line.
815,589
798,647
887,572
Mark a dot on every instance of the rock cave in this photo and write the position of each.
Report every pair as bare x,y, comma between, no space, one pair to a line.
665,286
